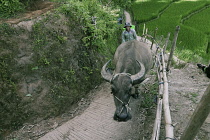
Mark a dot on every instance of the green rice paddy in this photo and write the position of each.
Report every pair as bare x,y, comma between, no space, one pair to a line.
194,32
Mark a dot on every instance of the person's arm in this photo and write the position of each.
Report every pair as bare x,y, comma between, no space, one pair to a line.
134,35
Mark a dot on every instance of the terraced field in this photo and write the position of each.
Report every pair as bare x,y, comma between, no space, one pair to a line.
192,16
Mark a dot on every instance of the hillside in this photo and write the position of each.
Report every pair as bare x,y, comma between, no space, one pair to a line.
49,61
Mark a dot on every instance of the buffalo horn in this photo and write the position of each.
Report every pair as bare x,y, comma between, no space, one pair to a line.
106,75
139,77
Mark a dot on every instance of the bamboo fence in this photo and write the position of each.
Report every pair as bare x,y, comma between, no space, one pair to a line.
202,110
163,96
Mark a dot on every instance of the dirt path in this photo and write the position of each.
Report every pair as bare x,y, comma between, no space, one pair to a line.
127,17
96,122
186,88
40,8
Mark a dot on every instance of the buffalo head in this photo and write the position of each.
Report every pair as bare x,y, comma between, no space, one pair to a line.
121,84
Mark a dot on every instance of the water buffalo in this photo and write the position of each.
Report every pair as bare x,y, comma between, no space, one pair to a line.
132,60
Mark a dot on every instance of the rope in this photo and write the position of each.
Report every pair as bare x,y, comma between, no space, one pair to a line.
161,83
126,105
118,99
170,138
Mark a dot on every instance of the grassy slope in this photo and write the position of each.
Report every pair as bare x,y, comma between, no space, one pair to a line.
200,23
148,10
191,42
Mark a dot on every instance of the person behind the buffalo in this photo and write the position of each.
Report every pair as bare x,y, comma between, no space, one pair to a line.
128,33
206,69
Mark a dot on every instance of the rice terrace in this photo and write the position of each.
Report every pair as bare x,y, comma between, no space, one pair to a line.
66,75
191,15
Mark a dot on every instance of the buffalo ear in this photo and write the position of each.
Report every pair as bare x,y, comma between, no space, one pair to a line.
106,73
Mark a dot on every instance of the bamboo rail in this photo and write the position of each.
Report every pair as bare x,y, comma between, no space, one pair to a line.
168,122
156,128
163,97
200,114
163,100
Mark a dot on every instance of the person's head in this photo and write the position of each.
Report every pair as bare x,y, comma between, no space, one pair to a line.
127,26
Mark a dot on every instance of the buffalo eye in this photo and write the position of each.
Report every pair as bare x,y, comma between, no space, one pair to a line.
112,90
130,90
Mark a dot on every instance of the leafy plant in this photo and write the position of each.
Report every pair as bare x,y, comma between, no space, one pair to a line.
149,96
10,7
97,35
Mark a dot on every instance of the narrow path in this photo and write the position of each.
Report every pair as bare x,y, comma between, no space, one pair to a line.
42,7
186,87
193,13
96,123
160,13
127,17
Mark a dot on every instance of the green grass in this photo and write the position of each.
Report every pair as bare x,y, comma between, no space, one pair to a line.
172,17
201,22
149,10
198,21
193,36
149,95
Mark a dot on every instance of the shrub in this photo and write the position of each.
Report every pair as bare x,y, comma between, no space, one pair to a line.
10,7
104,34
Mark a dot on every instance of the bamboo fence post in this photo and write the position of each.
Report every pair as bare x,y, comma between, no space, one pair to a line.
168,122
156,128
166,43
157,50
143,35
161,39
208,47
146,35
155,32
144,29
199,116
173,47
